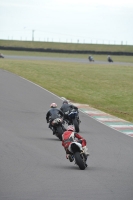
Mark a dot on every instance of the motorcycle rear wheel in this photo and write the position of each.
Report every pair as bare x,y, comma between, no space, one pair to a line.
76,125
60,132
79,161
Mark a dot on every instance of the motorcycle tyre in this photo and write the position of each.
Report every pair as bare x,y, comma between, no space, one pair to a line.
79,161
76,125
60,132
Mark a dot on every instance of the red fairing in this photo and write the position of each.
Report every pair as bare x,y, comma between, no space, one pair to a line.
68,136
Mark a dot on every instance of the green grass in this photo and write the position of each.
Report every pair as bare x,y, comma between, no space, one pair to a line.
105,87
67,46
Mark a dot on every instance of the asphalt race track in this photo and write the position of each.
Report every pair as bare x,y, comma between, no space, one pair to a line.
32,161
77,60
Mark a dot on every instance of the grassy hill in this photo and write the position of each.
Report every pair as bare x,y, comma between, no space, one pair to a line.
67,46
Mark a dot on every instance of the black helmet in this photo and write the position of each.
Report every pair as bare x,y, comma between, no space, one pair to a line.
65,101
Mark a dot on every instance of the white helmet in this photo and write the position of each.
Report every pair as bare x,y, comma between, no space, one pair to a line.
53,105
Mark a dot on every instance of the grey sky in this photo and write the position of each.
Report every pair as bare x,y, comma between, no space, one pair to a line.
84,21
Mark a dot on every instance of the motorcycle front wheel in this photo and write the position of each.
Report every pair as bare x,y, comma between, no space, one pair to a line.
79,161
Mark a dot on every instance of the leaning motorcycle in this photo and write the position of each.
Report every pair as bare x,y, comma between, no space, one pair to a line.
71,117
91,59
1,55
58,127
79,156
110,60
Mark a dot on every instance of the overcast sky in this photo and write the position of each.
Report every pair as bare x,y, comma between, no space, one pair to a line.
83,21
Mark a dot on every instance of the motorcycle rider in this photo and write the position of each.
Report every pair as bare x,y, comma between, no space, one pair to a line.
70,136
1,55
90,58
52,114
68,107
110,59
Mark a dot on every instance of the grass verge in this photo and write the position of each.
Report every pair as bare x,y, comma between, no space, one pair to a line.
67,46
106,87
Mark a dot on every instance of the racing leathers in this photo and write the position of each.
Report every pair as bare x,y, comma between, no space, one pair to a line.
68,107
68,137
52,114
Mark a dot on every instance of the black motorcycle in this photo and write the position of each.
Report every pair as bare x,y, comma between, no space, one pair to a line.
71,117
91,59
58,127
110,59
78,155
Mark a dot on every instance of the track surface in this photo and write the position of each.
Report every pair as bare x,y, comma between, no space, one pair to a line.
32,161
78,60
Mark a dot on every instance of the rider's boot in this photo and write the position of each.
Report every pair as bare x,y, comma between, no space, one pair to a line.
79,121
50,127
54,131
71,158
85,150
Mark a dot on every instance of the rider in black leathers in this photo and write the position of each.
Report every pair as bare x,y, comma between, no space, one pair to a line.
110,59
52,114
90,58
68,107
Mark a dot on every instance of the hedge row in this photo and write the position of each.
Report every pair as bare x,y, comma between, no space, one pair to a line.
65,51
